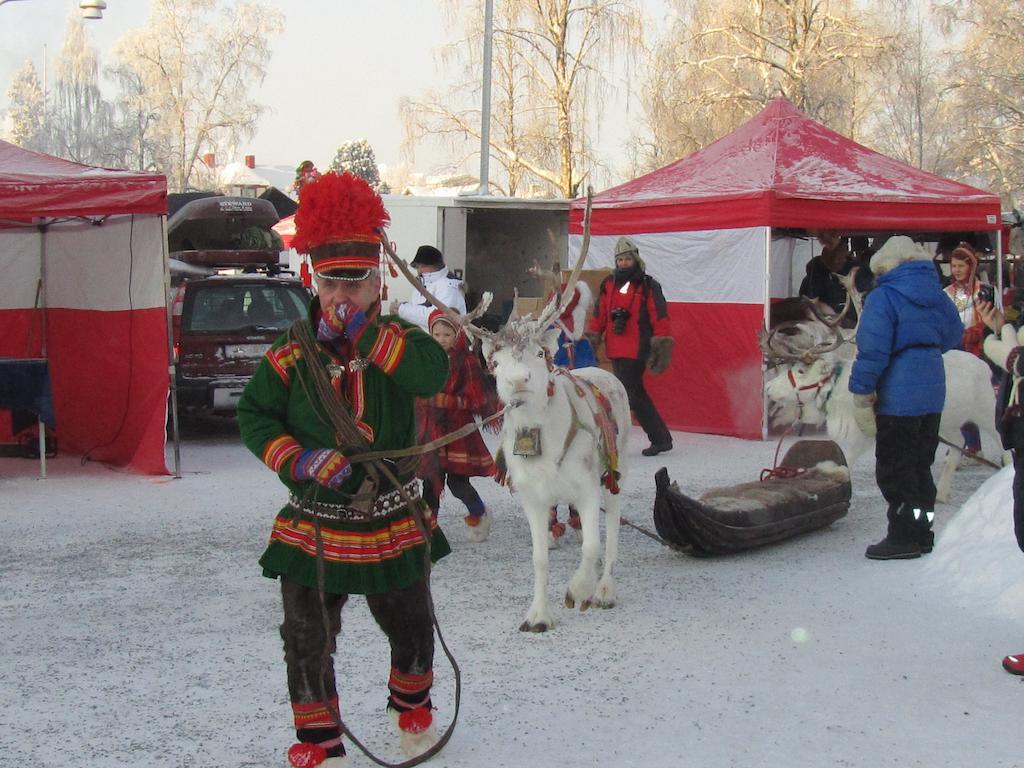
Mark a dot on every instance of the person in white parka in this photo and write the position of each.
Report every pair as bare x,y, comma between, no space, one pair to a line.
429,264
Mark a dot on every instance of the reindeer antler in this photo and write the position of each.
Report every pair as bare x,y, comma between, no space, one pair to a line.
855,297
553,309
404,269
465,321
795,354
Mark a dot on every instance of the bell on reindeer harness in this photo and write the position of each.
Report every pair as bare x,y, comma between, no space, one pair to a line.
527,442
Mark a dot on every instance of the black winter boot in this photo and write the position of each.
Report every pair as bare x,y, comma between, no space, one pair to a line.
901,540
922,519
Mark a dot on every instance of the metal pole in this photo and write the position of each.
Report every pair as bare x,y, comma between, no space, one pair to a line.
767,321
999,265
485,110
171,363
42,290
42,339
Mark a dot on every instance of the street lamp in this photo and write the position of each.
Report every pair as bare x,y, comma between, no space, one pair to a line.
92,9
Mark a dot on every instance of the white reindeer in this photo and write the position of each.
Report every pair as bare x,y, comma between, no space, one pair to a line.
556,451
563,441
812,385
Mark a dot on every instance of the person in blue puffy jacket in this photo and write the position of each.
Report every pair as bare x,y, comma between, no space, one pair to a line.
899,387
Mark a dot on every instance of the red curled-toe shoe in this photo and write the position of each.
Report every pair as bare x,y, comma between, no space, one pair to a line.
1014,664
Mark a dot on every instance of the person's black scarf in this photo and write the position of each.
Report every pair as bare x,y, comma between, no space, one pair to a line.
624,275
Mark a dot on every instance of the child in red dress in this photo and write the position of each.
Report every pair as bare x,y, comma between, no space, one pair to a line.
466,394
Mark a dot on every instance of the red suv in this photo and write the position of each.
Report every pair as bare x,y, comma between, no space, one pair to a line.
223,323
226,324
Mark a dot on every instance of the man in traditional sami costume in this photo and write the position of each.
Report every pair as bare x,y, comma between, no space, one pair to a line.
340,384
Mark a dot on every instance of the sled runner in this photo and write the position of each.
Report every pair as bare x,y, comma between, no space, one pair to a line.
810,489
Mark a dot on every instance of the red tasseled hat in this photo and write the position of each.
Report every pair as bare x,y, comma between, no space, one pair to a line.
337,210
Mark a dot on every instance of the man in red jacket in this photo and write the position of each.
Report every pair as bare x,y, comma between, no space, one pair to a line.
632,315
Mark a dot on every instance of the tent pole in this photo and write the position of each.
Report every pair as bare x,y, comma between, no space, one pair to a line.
767,320
42,340
42,290
171,363
999,266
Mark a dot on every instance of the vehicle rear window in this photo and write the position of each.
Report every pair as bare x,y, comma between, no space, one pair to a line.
219,308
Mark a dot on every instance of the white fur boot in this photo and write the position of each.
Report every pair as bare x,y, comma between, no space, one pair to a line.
418,734
479,527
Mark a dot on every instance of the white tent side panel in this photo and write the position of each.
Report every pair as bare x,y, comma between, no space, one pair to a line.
719,266
124,269
714,282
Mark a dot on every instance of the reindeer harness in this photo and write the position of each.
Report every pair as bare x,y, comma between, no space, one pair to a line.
606,436
815,387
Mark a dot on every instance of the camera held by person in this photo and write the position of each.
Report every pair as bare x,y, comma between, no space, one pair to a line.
619,316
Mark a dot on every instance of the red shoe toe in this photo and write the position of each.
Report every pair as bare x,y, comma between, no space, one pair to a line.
1014,664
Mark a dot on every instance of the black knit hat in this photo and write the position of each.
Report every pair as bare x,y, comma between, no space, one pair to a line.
428,256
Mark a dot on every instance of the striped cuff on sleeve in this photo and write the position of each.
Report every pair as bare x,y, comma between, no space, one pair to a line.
277,451
388,349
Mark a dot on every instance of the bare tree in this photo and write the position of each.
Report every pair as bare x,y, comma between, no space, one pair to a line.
197,62
913,121
722,60
987,86
551,62
27,107
135,121
79,119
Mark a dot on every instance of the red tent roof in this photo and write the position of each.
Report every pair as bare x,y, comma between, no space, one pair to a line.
783,169
34,185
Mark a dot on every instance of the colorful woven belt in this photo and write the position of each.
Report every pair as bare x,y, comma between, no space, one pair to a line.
382,507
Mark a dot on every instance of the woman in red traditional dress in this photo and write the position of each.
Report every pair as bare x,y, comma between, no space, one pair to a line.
963,292
466,394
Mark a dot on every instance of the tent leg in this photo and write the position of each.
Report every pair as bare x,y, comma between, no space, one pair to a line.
42,450
171,364
767,325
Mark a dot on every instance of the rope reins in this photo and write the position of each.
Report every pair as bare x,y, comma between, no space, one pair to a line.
783,472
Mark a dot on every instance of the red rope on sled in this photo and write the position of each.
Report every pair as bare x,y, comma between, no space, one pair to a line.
782,473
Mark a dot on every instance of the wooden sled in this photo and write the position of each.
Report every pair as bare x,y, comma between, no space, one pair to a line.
749,515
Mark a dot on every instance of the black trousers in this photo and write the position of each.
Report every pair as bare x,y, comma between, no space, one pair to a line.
403,614
460,486
1014,430
904,451
631,374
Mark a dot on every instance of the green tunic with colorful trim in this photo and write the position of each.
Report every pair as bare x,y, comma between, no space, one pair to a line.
278,421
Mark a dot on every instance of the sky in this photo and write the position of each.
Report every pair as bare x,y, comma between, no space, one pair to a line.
337,72
138,629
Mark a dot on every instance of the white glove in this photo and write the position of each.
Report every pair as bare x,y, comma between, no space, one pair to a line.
864,413
998,348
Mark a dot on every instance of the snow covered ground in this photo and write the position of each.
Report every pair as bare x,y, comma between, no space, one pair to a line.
137,630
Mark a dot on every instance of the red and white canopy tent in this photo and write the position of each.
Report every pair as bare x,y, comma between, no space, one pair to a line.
704,226
286,229
83,259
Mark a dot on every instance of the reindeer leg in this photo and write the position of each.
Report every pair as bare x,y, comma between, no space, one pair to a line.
605,596
539,618
584,581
